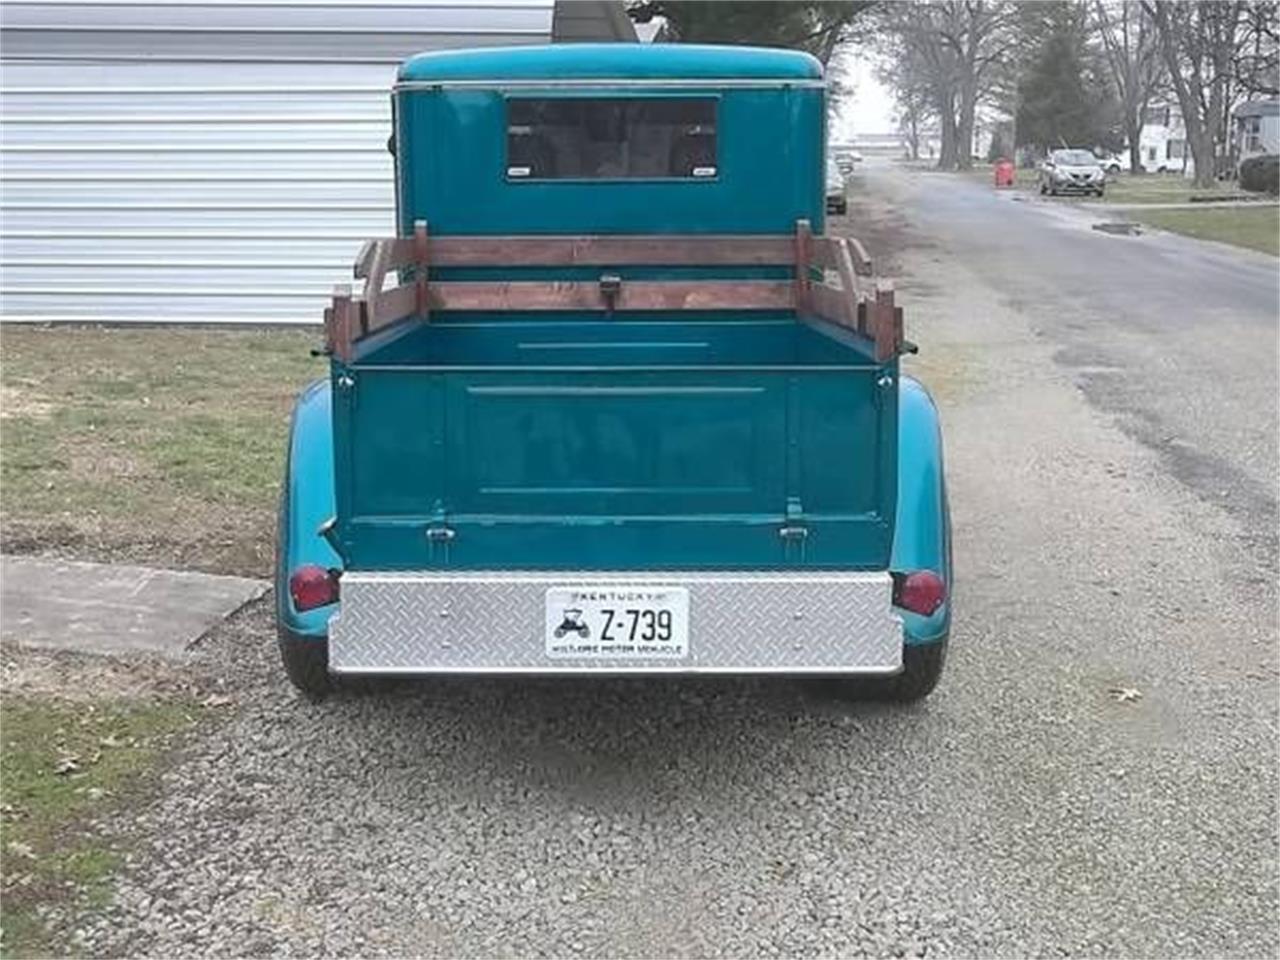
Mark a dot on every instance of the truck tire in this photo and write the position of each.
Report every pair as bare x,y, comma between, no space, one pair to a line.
921,670
306,662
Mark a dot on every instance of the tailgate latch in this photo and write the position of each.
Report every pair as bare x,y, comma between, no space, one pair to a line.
610,290
439,535
794,529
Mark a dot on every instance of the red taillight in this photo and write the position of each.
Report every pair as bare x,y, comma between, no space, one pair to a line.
313,586
921,591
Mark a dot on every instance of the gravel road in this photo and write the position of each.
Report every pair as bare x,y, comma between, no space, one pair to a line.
1022,810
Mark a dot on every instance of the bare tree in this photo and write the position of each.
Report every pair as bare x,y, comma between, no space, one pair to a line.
912,95
951,50
978,33
1133,58
1257,65
919,68
1199,43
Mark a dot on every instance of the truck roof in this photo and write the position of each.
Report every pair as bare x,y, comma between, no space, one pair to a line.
611,61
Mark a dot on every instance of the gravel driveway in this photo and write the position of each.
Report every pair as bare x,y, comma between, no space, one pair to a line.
1024,809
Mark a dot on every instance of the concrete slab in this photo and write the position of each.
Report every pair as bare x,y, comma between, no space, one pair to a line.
101,608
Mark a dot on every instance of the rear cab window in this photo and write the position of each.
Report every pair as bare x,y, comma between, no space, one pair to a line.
611,138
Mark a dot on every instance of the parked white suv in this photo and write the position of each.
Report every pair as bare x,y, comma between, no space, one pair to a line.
1115,163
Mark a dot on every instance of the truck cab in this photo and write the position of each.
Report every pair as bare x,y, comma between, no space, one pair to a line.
612,401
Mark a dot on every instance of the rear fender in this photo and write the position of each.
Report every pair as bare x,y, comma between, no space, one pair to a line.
306,502
922,530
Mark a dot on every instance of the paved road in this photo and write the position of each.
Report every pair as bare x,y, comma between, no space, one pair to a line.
1110,412
1175,336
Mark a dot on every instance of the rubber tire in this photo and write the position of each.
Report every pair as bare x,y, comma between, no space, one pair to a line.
1043,189
921,670
1100,194
306,662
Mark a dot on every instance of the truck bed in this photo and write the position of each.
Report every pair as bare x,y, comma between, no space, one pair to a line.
571,441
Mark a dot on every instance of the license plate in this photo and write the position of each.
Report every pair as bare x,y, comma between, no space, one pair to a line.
610,622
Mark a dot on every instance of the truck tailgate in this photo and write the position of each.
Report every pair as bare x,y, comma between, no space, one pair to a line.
705,468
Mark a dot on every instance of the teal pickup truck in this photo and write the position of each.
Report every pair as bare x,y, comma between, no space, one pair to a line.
611,402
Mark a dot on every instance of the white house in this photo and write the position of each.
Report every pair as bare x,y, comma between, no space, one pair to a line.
1256,130
216,160
1163,142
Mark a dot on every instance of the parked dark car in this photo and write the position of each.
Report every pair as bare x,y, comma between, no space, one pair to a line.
836,202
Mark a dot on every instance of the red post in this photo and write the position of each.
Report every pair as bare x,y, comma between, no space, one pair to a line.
1004,172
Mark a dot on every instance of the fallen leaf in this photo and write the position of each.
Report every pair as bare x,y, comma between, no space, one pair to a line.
111,740
1125,694
67,763
20,849
216,700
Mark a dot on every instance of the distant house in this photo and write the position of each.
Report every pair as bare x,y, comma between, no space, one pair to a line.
1256,130
1163,142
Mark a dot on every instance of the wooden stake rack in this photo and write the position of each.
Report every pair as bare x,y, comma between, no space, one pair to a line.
853,300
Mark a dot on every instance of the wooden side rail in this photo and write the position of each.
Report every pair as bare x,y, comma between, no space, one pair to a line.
853,304
657,250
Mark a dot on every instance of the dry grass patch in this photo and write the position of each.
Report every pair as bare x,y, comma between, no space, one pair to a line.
158,446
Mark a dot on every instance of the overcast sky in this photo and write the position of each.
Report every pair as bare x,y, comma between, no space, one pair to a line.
869,109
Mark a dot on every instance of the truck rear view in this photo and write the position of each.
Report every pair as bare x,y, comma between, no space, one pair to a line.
612,402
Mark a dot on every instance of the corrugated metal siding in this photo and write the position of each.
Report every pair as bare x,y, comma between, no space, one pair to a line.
207,161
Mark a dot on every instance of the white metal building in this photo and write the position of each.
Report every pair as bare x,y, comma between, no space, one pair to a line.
160,161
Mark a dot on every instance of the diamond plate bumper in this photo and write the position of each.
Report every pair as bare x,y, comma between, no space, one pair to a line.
492,622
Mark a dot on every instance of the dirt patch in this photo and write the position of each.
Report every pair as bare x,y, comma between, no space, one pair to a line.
19,400
98,463
1123,228
884,230
162,447
208,540
77,677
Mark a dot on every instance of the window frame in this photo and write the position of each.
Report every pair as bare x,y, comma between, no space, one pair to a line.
712,96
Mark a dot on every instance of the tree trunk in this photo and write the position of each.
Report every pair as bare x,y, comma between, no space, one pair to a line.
1202,151
964,129
913,125
947,128
1133,131
1173,37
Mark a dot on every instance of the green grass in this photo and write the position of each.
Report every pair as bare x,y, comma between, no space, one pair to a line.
1160,188
162,446
1257,228
61,764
